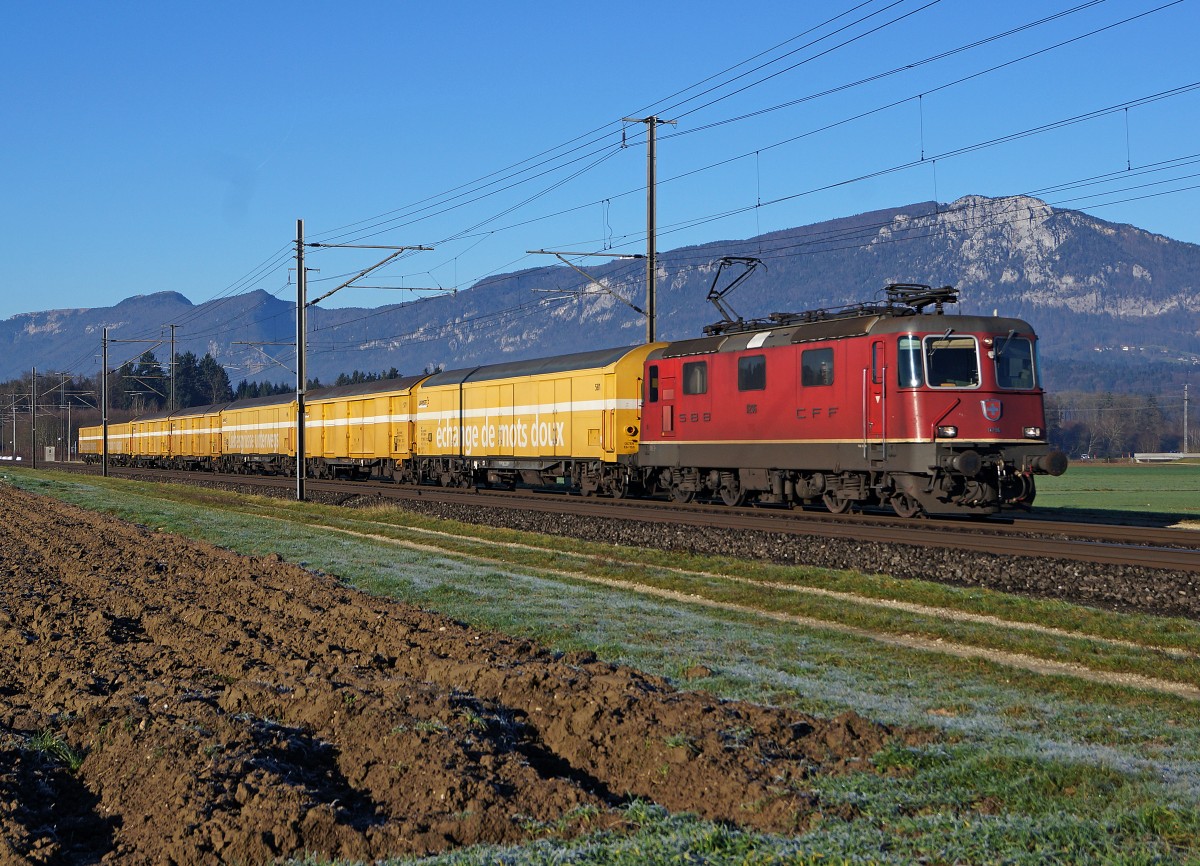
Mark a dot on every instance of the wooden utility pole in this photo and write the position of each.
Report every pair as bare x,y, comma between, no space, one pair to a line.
301,350
652,122
171,399
104,404
33,420
64,404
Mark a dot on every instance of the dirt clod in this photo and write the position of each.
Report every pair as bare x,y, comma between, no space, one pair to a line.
163,700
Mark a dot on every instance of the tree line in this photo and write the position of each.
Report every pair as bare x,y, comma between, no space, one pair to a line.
1114,425
144,386
138,387
245,389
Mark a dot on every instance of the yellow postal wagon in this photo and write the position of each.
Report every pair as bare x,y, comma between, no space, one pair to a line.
362,430
91,443
196,437
150,439
571,421
258,435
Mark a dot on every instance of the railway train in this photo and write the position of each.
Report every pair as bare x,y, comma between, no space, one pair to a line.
889,404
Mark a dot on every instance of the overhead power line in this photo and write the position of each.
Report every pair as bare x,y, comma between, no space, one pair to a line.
586,152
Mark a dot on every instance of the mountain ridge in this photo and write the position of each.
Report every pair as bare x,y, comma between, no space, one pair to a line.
1086,285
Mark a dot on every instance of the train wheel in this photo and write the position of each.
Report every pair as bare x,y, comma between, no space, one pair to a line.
733,494
616,485
906,506
836,504
680,495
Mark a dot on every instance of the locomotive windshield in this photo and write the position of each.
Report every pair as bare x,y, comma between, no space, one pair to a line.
1015,363
952,361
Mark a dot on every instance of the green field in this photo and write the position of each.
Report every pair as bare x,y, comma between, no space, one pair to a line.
1167,492
1064,734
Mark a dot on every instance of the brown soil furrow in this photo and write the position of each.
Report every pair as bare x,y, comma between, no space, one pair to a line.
228,708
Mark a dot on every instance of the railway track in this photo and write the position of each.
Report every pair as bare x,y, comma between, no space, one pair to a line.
1123,546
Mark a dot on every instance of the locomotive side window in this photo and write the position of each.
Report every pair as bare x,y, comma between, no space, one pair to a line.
952,361
695,377
816,367
908,362
1014,363
652,384
752,373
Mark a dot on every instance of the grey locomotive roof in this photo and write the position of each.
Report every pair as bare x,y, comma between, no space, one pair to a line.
534,367
990,324
838,329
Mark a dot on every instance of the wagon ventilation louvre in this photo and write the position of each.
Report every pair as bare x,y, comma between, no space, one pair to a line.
902,299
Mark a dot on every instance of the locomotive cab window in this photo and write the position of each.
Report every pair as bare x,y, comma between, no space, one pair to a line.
652,384
816,367
952,361
1015,363
752,373
908,362
695,377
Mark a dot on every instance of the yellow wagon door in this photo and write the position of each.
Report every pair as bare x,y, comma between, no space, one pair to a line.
499,430
609,422
357,422
560,431
402,425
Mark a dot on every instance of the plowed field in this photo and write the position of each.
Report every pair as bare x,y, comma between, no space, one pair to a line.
164,701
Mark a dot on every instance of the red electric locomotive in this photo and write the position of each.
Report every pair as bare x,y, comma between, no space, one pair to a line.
892,403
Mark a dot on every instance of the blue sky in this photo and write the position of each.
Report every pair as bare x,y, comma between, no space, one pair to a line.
172,146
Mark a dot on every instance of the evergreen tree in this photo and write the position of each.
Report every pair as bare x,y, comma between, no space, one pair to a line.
151,384
122,386
187,381
214,381
138,386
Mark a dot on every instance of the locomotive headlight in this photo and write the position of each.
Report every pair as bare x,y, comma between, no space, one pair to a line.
1033,432
948,432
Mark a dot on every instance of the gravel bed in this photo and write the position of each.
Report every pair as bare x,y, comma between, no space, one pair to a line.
1146,590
